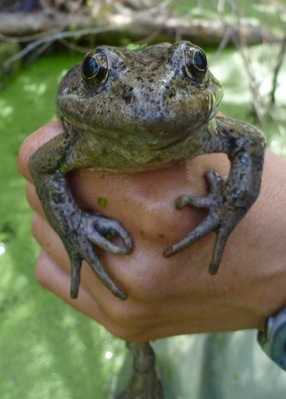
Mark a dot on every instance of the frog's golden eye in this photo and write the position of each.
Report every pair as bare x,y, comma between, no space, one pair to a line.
94,68
195,62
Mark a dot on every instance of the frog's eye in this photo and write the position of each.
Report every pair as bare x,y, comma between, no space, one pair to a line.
195,62
94,68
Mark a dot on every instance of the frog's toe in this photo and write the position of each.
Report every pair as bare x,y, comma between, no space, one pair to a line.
102,230
75,275
95,229
221,239
94,262
211,223
215,183
221,219
208,225
97,267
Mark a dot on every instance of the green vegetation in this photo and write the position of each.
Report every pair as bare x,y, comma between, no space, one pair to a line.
47,349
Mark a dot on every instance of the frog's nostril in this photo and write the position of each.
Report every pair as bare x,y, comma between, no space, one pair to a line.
127,94
170,91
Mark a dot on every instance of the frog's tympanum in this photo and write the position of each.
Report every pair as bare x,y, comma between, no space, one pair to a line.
129,110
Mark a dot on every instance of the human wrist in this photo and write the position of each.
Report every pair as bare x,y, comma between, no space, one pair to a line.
272,230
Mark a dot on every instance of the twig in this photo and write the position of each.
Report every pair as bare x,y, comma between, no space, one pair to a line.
28,38
49,38
276,71
240,43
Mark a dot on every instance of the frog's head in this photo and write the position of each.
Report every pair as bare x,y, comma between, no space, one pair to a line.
162,90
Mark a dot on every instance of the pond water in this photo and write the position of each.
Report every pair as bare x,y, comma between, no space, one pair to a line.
47,349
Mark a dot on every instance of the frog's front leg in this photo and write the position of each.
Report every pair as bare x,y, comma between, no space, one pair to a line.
78,230
227,201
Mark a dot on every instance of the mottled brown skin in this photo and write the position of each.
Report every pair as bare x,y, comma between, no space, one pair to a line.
143,110
127,111
144,383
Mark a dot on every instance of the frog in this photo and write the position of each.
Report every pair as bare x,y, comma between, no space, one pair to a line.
129,110
134,109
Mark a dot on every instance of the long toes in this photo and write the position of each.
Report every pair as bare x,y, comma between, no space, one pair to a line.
208,225
108,245
220,219
104,230
215,183
127,241
95,264
197,202
220,243
75,276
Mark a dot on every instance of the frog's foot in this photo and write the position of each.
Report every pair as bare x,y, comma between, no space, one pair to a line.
222,219
144,383
95,229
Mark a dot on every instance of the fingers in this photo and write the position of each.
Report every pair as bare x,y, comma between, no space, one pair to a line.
128,322
55,258
33,142
57,280
50,242
33,200
53,271
131,320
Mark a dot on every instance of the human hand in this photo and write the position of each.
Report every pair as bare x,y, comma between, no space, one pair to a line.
176,295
